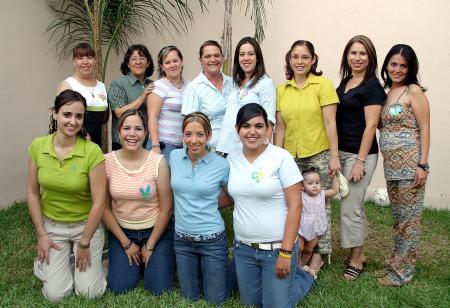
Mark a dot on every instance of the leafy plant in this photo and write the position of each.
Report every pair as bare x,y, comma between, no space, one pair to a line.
113,24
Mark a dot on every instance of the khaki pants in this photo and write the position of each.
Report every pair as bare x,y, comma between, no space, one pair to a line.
57,276
353,217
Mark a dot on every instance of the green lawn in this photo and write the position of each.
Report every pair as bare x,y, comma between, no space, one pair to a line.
430,288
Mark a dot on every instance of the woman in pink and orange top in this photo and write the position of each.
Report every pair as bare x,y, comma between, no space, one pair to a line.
138,212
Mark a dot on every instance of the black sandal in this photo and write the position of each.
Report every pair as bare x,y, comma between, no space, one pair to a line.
348,259
352,273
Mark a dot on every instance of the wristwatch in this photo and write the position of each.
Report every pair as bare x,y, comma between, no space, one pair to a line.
156,145
424,166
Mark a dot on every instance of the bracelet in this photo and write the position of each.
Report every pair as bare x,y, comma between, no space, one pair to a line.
285,255
288,252
127,245
148,248
155,145
361,160
84,246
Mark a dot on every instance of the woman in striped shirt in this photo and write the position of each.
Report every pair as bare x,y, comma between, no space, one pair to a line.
164,104
138,212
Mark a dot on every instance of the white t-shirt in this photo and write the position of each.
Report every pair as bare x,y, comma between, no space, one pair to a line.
260,207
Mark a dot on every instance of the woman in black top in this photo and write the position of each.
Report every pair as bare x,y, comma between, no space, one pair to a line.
361,97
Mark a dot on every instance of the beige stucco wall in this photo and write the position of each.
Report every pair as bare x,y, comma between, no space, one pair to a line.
30,72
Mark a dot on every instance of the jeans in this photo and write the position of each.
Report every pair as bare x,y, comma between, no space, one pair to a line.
202,268
168,147
57,276
257,280
160,271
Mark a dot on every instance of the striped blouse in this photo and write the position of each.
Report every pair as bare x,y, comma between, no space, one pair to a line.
134,198
170,118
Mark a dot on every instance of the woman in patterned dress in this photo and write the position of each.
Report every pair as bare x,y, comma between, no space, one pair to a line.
405,143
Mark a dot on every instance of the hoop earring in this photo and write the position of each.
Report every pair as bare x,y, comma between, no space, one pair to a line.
266,141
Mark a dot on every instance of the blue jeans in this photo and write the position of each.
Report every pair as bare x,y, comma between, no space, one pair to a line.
160,271
202,268
166,151
257,280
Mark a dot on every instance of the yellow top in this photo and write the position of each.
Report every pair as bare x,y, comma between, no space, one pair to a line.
301,110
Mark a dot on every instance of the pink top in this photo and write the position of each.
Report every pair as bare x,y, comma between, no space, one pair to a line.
134,198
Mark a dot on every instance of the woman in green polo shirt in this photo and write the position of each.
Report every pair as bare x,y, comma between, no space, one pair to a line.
66,196
306,124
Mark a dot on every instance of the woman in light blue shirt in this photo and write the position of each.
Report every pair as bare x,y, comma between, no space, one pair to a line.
251,85
198,176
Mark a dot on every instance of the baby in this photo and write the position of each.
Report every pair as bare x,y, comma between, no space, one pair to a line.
314,217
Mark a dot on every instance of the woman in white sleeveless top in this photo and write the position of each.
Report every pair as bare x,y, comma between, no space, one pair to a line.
94,91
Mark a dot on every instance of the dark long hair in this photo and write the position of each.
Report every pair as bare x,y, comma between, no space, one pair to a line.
411,59
371,70
66,97
288,69
260,69
143,52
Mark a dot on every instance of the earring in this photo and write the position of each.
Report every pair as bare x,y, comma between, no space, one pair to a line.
266,141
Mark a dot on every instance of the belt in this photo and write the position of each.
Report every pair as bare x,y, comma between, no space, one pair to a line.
263,246
198,237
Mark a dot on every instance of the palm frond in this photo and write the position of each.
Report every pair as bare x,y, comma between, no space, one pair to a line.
257,11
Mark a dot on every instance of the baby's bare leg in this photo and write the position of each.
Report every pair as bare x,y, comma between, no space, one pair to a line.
308,251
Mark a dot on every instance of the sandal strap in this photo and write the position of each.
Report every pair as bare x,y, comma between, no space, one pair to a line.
353,271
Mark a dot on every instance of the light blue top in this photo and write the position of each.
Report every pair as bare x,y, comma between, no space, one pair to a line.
196,192
201,95
262,93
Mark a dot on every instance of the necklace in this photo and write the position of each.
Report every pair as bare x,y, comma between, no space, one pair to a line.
176,85
91,89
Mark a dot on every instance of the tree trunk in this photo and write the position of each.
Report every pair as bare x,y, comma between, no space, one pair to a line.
97,45
226,38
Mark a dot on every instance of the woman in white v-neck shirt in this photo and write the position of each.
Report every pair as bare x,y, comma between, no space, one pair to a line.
265,185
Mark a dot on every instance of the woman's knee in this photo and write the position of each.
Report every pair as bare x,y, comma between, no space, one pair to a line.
55,293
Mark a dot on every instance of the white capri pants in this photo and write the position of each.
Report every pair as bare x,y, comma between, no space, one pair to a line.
57,276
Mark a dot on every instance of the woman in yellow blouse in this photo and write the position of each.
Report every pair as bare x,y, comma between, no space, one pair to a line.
306,124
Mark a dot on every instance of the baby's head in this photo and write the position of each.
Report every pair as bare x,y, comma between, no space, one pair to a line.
311,181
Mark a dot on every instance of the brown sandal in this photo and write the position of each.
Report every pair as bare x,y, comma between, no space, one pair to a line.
380,273
384,281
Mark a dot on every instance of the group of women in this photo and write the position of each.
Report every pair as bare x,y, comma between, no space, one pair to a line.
188,148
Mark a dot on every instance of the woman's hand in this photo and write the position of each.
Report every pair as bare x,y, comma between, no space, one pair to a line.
334,165
146,254
83,258
134,254
147,91
282,267
420,177
43,246
156,150
357,172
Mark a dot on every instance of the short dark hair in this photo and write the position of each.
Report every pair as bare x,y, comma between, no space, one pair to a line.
410,57
288,69
143,51
209,43
371,71
162,56
260,69
83,50
66,97
310,170
248,112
